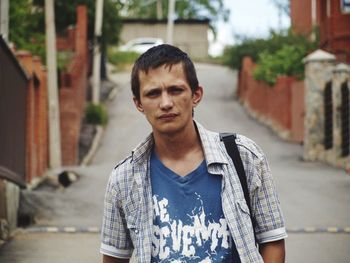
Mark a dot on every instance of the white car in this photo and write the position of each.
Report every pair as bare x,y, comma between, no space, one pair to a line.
141,45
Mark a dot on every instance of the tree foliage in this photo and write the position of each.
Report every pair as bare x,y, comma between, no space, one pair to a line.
283,5
286,61
65,15
253,47
280,54
26,29
184,9
27,21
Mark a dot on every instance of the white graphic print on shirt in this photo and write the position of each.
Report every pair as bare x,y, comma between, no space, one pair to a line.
195,237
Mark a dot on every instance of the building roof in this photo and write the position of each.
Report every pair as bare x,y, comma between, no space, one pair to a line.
164,21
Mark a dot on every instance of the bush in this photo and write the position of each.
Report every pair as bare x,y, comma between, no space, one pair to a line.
121,59
286,61
63,59
233,55
96,114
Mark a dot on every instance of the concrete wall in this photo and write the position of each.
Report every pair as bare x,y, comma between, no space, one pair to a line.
9,202
190,37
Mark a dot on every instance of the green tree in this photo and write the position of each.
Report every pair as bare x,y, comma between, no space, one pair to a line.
282,5
280,54
65,15
26,29
253,47
212,9
27,21
286,61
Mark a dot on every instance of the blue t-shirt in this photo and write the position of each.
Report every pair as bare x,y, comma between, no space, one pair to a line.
188,222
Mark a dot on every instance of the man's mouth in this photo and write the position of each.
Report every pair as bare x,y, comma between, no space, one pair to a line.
168,116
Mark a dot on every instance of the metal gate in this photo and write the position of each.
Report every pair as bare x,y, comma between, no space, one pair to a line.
328,116
345,120
13,94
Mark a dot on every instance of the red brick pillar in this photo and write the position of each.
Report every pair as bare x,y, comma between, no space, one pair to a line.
81,30
70,124
26,61
81,51
42,109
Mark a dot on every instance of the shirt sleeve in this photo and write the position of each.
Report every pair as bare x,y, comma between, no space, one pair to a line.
269,220
115,237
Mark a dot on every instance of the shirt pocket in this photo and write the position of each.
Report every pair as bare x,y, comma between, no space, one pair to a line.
243,207
245,226
132,209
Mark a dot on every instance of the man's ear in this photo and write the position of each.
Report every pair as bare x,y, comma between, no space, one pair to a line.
197,96
138,104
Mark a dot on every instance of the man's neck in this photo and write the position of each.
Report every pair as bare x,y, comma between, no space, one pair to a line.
176,147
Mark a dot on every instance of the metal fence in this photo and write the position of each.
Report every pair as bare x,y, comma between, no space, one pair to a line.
13,94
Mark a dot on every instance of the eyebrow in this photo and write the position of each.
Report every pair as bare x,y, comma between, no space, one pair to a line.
152,89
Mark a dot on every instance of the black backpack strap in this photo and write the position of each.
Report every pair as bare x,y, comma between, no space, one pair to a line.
229,140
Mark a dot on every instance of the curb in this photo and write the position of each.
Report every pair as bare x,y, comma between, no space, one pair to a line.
317,230
63,229
97,230
95,143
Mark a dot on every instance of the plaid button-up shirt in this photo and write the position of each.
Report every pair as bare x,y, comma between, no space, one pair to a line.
128,213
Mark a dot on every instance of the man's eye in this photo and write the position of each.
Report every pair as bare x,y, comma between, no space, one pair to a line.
153,93
175,90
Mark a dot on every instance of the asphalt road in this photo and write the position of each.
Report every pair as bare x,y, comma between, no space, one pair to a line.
315,198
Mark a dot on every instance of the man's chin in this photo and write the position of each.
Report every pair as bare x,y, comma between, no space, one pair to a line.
169,128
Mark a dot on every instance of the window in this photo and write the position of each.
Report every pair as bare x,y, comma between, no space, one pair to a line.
345,6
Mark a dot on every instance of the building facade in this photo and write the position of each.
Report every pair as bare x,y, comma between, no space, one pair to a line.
190,35
332,20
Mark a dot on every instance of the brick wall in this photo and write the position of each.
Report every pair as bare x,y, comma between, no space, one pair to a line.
72,93
66,42
42,115
37,118
280,106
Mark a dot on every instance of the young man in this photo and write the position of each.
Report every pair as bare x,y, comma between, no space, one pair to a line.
177,197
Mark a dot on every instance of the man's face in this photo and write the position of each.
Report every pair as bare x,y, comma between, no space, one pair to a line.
166,99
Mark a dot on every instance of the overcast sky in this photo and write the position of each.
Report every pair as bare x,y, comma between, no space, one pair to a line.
252,18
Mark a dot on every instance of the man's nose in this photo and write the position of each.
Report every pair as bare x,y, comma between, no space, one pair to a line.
166,101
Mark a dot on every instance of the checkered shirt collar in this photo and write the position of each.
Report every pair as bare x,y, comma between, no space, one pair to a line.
212,147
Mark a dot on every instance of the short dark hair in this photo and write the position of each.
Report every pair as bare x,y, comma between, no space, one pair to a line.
162,55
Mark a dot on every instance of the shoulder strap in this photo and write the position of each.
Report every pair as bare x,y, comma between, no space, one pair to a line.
229,140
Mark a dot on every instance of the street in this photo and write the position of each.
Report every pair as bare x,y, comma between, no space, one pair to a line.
315,197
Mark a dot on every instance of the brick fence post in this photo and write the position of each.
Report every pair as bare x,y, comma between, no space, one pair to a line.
26,60
42,109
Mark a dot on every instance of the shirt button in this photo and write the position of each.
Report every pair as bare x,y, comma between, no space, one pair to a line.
136,231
